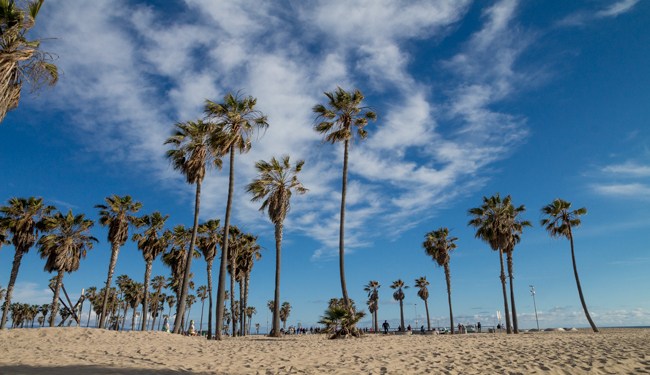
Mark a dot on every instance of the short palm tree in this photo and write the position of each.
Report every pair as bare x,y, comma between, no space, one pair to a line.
559,222
191,298
250,311
152,242
175,259
238,120
423,292
274,185
340,321
21,60
373,301
64,245
171,301
285,311
116,214
249,254
438,245
337,120
235,248
193,151
21,219
157,284
398,295
90,294
209,238
202,294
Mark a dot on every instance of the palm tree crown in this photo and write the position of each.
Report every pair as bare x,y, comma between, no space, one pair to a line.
193,149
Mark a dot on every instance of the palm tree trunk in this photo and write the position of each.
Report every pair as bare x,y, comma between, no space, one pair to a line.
451,313
89,312
344,185
10,288
201,323
512,292
401,314
154,314
145,297
505,295
224,253
233,270
55,299
426,307
276,296
248,317
375,320
209,270
575,273
133,318
126,310
242,316
188,261
115,251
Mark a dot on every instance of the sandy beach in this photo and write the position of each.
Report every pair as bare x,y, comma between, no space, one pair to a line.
93,351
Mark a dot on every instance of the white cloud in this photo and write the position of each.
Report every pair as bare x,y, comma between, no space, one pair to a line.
633,190
631,169
31,293
582,17
617,8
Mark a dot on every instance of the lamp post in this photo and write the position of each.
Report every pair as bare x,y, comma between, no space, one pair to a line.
532,293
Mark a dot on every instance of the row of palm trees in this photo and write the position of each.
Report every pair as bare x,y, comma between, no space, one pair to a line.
497,223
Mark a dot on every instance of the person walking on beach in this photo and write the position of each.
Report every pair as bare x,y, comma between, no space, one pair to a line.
385,326
478,327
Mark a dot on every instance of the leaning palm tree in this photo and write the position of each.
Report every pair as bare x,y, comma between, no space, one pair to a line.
152,242
285,310
337,120
238,120
21,219
491,222
439,245
116,215
274,185
373,301
21,60
65,243
559,223
202,294
398,295
423,292
192,152
209,238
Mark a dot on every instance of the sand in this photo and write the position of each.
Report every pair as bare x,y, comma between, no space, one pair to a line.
94,351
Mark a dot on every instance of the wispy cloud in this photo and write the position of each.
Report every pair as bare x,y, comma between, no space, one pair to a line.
631,169
584,16
633,190
635,175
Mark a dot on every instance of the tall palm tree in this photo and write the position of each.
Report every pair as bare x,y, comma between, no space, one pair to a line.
158,283
249,254
64,245
235,248
285,311
152,242
21,218
423,292
274,185
373,301
90,294
491,222
175,259
21,60
132,296
438,245
193,151
209,238
337,120
560,222
398,295
238,120
202,294
116,215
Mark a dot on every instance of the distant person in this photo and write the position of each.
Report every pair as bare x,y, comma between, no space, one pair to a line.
166,325
478,327
386,326
422,329
408,328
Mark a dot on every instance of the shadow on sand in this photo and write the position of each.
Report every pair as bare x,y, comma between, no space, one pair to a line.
86,370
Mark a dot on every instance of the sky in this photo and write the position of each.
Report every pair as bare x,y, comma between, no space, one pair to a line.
539,100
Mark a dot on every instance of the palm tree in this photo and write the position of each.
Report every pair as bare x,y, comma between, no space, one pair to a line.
439,245
44,309
250,311
274,185
21,60
132,296
285,310
492,226
152,243
171,301
65,243
90,294
2,293
423,292
398,295
340,321
559,223
191,298
192,152
116,215
209,238
235,247
250,252
202,293
344,111
157,283
21,218
238,120
373,301
124,284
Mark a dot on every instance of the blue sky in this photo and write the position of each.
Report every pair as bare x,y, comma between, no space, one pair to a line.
534,99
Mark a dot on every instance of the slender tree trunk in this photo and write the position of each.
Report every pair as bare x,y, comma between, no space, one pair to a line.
135,309
10,287
188,262
426,307
89,313
344,186
248,317
242,316
55,299
512,292
505,295
154,314
448,280
224,253
276,296
233,270
374,320
209,270
145,297
575,273
401,314
126,310
115,251
201,322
